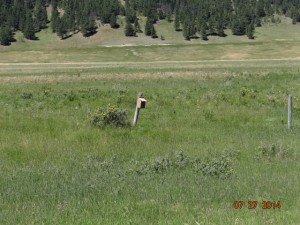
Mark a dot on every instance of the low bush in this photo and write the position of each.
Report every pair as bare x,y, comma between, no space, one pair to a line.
109,116
220,167
273,151
177,160
26,95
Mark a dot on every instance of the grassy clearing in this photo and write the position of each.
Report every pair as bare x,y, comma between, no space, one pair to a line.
202,142
274,41
244,51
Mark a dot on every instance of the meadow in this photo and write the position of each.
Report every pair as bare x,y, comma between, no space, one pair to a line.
214,131
207,137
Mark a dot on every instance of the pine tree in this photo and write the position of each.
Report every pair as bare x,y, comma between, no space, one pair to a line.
6,35
10,18
40,16
54,19
259,9
203,31
148,27
153,32
61,28
88,27
3,13
212,25
19,12
29,4
295,15
177,22
186,30
130,12
54,4
238,26
87,23
113,21
129,29
250,31
69,17
169,15
137,26
161,14
220,28
257,21
22,21
269,9
189,28
29,31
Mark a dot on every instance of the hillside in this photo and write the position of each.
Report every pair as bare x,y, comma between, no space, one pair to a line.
273,41
106,36
193,19
277,37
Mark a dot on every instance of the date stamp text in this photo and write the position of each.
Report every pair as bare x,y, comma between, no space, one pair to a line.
255,204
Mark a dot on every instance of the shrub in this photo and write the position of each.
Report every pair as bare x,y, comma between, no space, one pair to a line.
216,167
246,92
71,96
178,160
208,115
109,116
26,95
155,166
181,160
273,151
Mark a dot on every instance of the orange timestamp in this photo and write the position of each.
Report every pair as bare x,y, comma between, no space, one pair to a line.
255,204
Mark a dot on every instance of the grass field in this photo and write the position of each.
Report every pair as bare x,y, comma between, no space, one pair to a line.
216,135
214,130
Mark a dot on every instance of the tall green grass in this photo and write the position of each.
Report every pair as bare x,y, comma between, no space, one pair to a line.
201,143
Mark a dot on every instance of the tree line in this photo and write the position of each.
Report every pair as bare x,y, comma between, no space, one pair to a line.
194,18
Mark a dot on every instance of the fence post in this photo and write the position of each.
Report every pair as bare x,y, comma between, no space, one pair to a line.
137,110
290,112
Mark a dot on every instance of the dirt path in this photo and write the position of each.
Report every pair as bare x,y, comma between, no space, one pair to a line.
151,62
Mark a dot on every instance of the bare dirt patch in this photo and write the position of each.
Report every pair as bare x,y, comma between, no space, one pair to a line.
235,56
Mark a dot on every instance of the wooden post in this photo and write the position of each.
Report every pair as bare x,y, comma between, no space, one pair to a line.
290,108
137,110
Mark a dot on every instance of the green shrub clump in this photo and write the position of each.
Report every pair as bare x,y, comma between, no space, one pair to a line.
273,151
109,116
220,167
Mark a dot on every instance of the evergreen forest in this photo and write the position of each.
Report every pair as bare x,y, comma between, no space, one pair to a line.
194,18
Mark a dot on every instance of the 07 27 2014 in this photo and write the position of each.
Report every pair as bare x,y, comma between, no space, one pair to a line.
253,204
